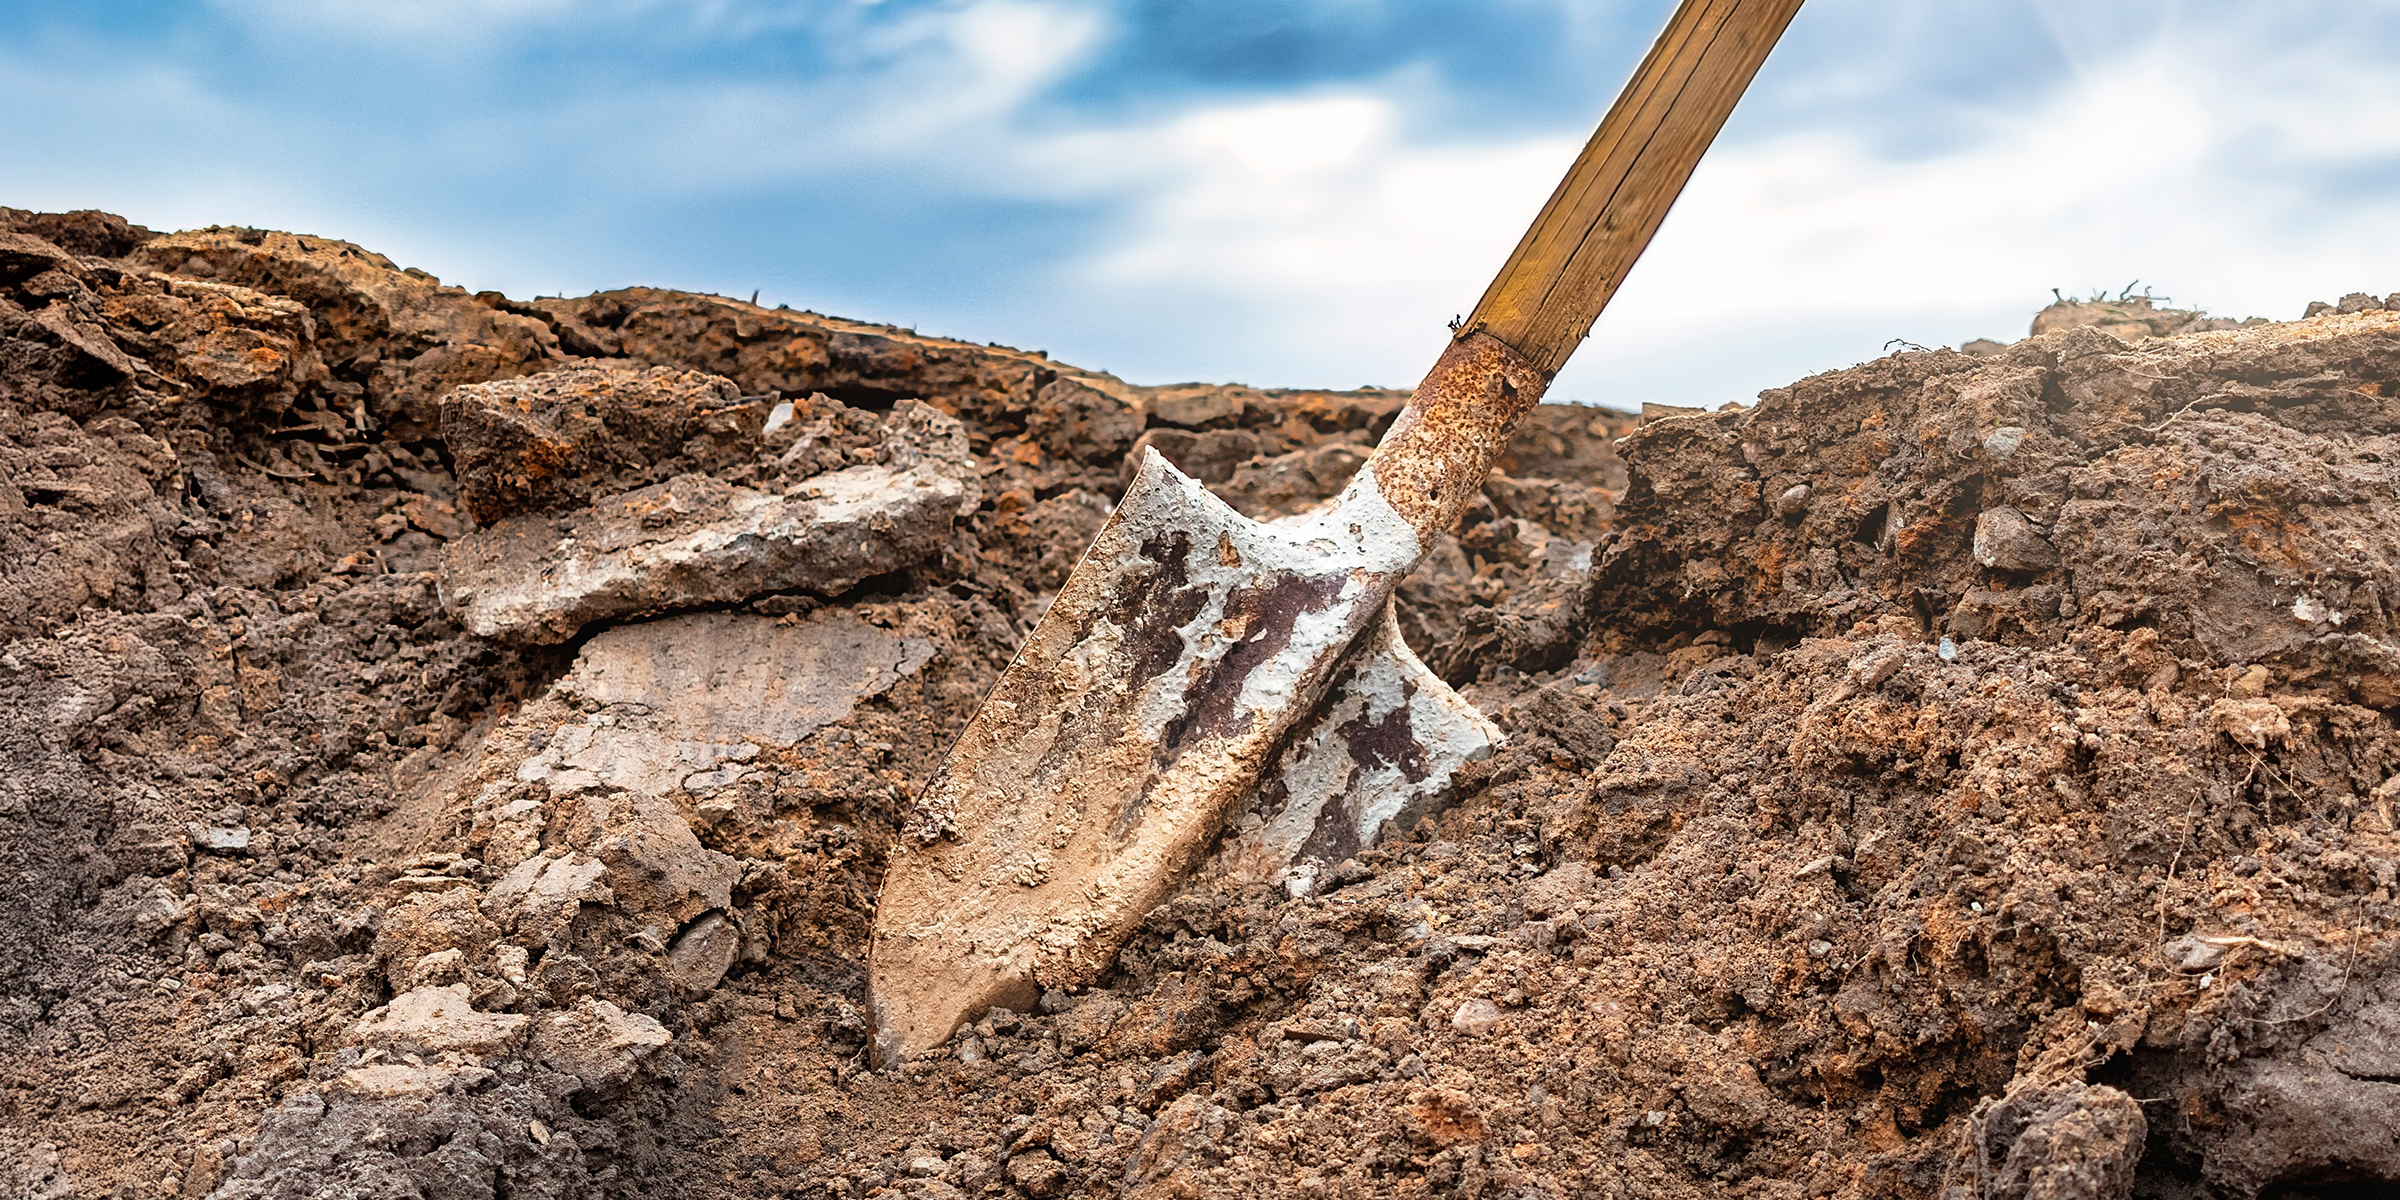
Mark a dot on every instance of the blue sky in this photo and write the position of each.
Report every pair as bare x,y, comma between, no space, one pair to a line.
1286,193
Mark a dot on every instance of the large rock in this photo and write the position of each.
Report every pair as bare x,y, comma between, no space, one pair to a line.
563,438
599,1044
2068,1142
578,801
409,338
696,541
435,1019
736,678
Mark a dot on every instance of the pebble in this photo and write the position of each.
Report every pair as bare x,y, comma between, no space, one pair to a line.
1476,1017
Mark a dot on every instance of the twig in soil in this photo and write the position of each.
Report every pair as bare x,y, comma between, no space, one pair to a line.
2188,406
2191,817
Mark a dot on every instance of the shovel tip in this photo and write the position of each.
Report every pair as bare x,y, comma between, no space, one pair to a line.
916,1002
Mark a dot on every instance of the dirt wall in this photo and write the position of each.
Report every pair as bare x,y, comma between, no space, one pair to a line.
1963,776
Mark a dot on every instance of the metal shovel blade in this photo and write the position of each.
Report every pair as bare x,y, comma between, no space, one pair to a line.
1149,699
1163,682
1192,644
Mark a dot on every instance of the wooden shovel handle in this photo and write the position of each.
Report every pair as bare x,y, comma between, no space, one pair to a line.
1432,463
1604,212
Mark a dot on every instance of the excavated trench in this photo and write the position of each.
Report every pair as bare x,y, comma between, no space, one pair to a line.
448,744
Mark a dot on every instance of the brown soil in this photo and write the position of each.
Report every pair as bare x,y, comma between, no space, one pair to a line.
1964,776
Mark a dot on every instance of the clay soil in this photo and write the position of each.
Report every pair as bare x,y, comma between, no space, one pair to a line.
1958,775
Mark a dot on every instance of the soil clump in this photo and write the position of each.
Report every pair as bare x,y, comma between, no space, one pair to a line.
448,746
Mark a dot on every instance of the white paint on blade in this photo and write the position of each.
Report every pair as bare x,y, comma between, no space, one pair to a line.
1320,770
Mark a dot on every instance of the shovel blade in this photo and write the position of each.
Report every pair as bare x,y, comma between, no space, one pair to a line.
1150,700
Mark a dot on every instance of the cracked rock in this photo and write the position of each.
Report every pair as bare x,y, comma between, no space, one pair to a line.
2006,541
559,439
601,1045
435,1019
697,540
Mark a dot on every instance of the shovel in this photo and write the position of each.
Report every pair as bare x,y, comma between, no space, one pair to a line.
1194,652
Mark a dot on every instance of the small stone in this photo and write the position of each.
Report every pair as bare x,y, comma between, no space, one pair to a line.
434,1019
1476,1017
438,968
220,839
703,954
2002,443
2006,541
598,1043
2252,723
1793,501
1037,1175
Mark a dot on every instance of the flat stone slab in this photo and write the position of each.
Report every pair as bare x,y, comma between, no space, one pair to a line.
696,541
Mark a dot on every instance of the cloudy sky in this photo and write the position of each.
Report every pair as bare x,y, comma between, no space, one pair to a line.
1281,192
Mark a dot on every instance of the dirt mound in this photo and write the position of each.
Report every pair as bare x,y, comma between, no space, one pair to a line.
447,748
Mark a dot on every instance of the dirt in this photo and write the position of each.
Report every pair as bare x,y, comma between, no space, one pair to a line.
1962,775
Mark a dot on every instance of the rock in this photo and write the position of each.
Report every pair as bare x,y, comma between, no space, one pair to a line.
695,541
1728,1094
600,1045
2129,318
2006,541
2070,1142
539,896
2252,723
797,353
439,967
219,839
562,438
363,302
435,1019
429,922
1793,501
1208,456
725,678
146,906
1193,405
1188,1135
920,1163
1075,420
702,955
1037,1175
654,862
398,1081
1287,484
1476,1017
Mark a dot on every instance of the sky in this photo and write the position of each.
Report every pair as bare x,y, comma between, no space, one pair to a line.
1275,192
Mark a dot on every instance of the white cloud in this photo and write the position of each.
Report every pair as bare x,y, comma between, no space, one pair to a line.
1318,235
1323,247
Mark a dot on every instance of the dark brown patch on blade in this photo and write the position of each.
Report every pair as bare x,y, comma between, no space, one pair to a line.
1334,837
1155,607
1391,740
1211,704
